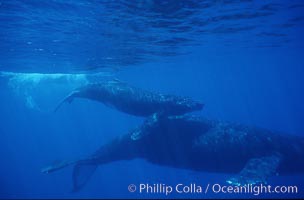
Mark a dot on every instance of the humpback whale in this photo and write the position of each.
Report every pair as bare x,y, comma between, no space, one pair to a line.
250,154
132,100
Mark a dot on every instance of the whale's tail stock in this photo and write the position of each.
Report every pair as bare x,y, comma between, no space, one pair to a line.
83,170
67,99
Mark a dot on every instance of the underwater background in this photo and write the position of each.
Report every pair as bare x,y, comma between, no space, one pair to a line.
242,58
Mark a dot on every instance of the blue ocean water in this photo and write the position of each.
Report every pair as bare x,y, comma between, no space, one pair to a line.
242,58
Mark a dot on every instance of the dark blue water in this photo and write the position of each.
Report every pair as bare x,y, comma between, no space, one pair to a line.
242,58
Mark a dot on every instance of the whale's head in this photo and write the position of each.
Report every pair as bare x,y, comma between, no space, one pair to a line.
186,105
190,105
195,106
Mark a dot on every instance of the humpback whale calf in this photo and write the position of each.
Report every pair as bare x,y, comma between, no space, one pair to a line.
132,100
251,154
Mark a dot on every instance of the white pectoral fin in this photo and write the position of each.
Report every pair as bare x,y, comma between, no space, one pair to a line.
143,129
257,170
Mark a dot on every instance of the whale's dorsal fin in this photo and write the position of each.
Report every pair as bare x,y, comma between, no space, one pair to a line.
257,170
116,80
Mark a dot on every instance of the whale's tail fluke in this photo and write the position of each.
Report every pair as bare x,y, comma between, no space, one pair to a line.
68,99
81,174
83,170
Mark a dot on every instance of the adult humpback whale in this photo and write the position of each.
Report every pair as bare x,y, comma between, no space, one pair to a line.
195,143
133,100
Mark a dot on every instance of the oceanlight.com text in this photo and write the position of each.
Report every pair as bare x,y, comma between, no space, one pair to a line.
254,189
194,188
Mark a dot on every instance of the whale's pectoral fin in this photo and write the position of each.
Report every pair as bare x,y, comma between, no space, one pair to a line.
149,123
68,99
81,174
257,170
